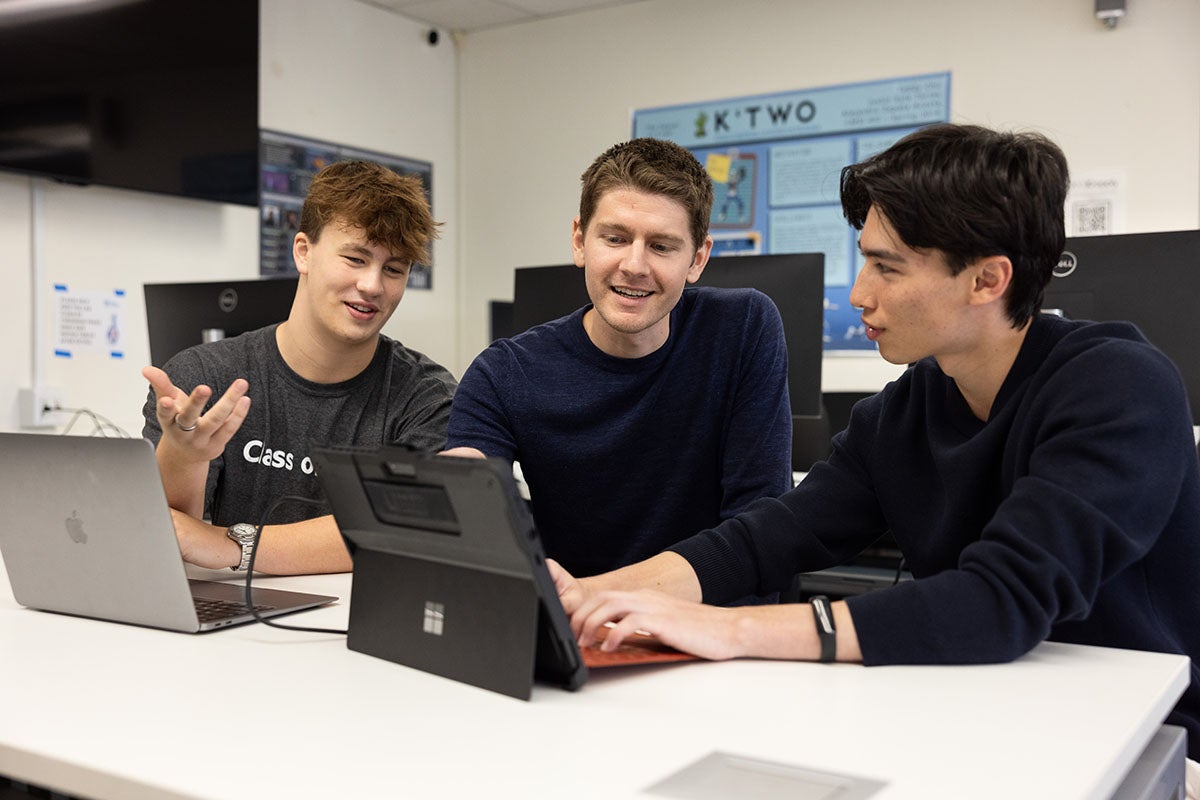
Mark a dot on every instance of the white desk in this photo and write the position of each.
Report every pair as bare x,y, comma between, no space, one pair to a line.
109,710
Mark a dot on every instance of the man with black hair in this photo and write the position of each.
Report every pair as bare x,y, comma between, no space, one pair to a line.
1038,474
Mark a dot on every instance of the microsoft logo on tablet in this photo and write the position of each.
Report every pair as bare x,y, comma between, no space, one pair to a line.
435,615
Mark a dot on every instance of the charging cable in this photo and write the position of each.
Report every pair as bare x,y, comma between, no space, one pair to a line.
250,568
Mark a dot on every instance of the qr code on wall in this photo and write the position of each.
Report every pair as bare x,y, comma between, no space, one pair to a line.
1091,218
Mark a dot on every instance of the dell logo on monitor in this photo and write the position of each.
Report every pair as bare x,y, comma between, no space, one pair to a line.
228,299
1066,264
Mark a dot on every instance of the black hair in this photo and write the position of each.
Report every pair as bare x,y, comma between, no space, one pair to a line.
971,192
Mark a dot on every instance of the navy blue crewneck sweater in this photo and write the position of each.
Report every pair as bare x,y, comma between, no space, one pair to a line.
1071,514
624,457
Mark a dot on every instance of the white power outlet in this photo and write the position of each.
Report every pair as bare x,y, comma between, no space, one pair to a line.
38,407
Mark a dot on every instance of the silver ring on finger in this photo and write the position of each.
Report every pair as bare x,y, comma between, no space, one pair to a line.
189,429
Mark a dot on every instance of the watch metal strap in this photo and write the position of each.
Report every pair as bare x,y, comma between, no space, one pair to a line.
244,540
247,551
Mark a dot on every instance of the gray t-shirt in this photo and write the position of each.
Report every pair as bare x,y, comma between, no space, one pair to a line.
401,398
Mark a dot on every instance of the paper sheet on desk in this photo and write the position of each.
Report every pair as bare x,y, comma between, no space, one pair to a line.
633,651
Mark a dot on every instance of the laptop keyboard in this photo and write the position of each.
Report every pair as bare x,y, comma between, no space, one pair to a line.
211,610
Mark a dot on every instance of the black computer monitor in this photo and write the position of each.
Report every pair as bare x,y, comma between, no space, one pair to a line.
1149,279
794,281
179,315
500,320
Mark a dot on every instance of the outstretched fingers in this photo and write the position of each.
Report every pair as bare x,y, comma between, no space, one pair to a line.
216,426
193,432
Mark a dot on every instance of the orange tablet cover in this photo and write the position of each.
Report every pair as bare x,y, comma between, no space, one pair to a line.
634,650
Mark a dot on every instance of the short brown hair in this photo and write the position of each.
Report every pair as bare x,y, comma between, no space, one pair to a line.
654,166
392,209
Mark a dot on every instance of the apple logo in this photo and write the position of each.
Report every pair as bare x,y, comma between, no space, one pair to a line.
75,528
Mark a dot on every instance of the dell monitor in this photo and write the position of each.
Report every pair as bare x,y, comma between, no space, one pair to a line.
1149,279
179,315
795,282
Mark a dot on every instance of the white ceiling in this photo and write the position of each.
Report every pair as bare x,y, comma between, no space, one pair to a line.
473,15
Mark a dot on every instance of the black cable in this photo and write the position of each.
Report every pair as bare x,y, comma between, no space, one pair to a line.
258,529
899,569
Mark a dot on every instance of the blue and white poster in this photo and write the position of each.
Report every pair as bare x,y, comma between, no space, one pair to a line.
89,322
776,163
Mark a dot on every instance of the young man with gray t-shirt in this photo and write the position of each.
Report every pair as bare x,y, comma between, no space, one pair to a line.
235,421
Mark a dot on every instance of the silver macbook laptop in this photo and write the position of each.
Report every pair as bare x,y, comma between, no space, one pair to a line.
87,531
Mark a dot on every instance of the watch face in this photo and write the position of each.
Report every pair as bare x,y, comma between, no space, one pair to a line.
242,532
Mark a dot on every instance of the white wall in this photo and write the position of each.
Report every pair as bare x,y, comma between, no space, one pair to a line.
330,69
351,73
99,239
15,322
541,100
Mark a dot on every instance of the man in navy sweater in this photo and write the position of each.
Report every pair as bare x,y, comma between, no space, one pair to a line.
659,409
1038,474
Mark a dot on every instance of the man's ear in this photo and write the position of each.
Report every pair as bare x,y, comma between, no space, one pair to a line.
577,242
993,276
300,247
700,261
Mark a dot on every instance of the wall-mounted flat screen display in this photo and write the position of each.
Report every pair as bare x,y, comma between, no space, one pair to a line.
154,95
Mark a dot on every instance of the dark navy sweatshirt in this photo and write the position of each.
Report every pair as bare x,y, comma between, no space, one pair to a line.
1071,514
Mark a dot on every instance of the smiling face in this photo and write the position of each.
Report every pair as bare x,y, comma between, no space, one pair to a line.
911,304
349,286
637,255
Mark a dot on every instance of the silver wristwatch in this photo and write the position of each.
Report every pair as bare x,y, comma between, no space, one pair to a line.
243,533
